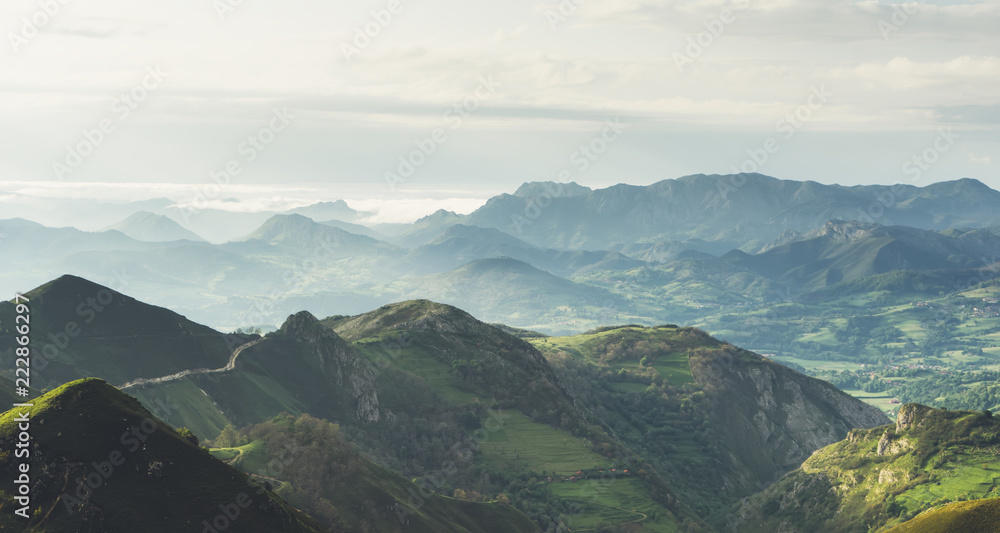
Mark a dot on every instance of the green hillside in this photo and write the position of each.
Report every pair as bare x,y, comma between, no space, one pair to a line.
303,367
81,329
309,463
418,385
102,463
881,477
980,516
718,422
532,435
618,427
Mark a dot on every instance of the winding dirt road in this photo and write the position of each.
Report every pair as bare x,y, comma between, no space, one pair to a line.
184,373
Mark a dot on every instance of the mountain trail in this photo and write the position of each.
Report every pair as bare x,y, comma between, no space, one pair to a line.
184,373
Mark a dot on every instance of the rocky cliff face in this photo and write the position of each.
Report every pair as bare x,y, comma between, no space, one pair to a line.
910,415
337,360
771,418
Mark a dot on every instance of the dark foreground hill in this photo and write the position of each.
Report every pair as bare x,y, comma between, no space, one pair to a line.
100,462
82,329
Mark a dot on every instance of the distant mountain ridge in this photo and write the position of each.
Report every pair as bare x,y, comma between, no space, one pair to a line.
843,251
738,209
335,210
149,227
460,244
551,189
305,235
614,240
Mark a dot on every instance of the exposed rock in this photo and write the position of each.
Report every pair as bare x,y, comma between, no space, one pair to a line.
911,415
338,360
778,416
889,475
883,443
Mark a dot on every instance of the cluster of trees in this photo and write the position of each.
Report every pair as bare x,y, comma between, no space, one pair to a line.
975,391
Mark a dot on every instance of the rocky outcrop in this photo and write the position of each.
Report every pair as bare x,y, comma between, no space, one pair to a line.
773,416
337,360
911,415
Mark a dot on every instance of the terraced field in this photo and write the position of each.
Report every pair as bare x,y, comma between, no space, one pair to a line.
522,443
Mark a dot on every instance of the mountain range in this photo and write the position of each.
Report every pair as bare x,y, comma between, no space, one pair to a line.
602,254
408,384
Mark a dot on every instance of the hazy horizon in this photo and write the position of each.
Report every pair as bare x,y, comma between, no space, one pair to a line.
33,197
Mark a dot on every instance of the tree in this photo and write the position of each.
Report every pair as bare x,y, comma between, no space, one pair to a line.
188,435
229,438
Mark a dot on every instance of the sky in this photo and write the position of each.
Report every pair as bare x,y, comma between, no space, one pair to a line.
406,106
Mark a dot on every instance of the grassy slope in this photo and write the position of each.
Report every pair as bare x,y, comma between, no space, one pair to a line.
362,494
183,404
717,436
944,456
280,374
530,440
119,341
980,516
165,484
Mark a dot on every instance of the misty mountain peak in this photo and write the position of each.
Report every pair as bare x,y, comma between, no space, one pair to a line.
335,210
552,189
150,227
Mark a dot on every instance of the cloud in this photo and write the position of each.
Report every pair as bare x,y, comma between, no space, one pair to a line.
970,114
246,198
938,67
801,20
902,73
975,160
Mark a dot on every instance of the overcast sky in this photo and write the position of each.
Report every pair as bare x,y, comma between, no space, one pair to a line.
847,92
